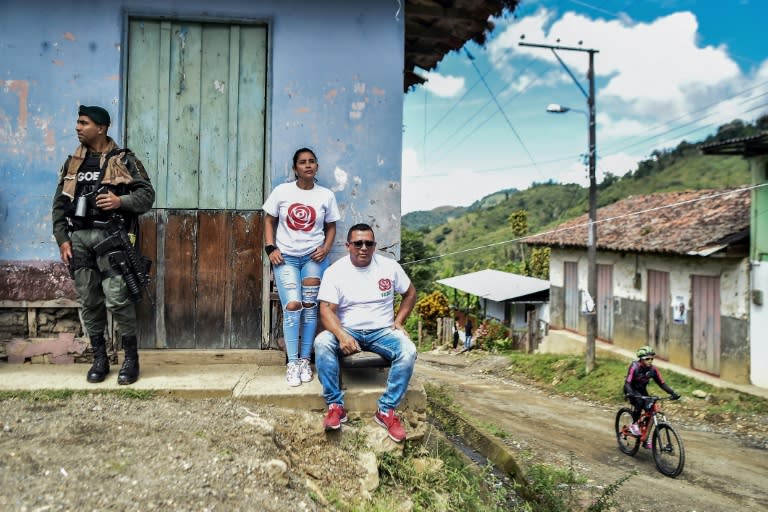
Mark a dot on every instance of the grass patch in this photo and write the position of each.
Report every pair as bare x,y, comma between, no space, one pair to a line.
555,486
41,395
450,484
495,430
566,374
48,395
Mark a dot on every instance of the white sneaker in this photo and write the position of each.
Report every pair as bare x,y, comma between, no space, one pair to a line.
292,374
305,371
634,429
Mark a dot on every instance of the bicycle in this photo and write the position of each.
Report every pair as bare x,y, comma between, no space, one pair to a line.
667,446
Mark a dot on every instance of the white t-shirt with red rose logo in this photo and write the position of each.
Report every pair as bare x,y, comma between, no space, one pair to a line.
364,295
301,215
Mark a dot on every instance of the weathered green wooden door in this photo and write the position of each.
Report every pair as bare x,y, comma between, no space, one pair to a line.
195,115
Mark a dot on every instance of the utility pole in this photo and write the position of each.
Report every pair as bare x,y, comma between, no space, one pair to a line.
592,229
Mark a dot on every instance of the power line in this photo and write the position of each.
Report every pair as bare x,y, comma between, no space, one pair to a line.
706,107
501,110
586,224
573,157
455,105
473,129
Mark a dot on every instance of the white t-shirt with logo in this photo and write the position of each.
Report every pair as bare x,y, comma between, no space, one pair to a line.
301,215
364,295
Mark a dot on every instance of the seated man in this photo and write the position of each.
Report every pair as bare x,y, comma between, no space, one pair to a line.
357,310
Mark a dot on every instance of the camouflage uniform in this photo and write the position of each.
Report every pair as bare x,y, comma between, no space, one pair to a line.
99,289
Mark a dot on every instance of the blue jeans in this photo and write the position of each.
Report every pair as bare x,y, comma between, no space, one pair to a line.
289,278
468,341
391,344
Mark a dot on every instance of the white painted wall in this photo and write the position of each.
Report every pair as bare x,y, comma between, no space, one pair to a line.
734,275
759,327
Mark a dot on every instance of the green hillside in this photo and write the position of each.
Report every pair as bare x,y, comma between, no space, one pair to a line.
487,223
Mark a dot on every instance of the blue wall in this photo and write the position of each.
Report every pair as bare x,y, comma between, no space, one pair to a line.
335,84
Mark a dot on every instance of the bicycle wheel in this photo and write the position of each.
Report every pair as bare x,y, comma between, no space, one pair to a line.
628,443
668,450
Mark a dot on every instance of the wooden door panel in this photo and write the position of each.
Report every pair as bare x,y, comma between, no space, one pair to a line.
213,279
706,323
604,302
180,269
196,116
145,310
659,304
571,285
210,297
246,309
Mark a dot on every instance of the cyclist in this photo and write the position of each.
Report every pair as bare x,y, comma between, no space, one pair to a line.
635,385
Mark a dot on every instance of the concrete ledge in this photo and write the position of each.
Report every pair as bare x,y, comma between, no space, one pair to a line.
261,383
206,357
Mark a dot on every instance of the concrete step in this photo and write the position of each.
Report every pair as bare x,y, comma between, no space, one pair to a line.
180,373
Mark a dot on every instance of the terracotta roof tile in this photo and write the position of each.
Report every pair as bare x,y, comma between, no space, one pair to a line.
670,222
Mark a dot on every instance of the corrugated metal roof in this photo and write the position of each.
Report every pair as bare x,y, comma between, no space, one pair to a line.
693,222
496,285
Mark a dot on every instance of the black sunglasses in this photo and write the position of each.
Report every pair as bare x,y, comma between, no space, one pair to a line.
360,243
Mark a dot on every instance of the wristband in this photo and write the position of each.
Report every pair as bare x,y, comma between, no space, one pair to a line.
269,249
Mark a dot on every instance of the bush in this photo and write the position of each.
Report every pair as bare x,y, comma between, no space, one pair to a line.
499,345
431,307
490,331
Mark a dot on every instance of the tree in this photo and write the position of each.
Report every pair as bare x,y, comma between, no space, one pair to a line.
518,221
414,249
431,307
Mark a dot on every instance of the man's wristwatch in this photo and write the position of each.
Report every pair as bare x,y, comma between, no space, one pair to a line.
269,249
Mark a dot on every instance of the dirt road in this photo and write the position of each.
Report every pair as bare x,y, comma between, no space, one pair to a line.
723,472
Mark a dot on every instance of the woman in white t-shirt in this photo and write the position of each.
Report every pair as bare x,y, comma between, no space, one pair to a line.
299,228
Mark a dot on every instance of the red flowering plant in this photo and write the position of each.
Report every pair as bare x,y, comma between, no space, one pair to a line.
489,332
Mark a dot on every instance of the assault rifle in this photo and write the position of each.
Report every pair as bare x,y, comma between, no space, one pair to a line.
123,257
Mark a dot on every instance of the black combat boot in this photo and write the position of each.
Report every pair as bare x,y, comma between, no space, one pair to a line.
100,368
129,372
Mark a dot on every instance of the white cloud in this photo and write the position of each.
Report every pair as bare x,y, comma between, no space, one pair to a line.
445,86
617,164
457,187
655,66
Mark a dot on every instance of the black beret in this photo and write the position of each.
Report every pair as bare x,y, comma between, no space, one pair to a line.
97,114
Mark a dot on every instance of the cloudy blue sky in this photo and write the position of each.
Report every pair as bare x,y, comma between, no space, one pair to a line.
666,71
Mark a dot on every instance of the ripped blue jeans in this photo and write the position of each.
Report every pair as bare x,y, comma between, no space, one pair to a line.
289,278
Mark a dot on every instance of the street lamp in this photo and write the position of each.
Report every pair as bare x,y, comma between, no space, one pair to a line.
592,233
554,108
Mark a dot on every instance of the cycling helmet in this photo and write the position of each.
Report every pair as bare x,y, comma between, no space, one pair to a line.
645,351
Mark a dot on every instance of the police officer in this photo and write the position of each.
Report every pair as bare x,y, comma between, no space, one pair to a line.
96,183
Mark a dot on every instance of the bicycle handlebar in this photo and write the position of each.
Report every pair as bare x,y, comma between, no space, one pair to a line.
659,398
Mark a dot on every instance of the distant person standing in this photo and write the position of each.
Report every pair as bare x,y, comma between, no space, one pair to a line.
455,334
468,334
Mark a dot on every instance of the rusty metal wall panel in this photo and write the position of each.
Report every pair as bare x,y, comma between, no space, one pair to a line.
706,323
604,302
572,303
659,304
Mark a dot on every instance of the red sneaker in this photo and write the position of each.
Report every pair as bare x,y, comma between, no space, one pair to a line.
335,417
390,422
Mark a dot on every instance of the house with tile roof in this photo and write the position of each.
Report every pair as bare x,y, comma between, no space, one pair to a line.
673,272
